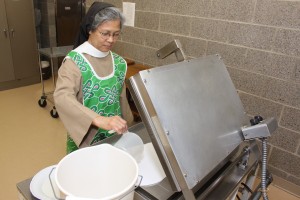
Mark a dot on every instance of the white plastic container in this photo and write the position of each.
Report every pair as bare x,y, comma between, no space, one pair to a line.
101,172
45,70
132,144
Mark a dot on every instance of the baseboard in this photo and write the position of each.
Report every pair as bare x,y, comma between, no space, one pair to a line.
19,83
286,186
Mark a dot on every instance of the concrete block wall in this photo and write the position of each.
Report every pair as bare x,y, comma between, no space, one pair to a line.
259,41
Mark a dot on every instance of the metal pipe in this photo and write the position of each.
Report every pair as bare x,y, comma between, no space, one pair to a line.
264,169
257,192
246,193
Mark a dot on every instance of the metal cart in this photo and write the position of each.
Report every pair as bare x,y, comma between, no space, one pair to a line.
51,52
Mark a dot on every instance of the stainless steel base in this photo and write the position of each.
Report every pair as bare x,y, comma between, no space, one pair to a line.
221,185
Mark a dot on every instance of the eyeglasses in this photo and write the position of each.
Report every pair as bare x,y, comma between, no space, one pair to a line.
107,35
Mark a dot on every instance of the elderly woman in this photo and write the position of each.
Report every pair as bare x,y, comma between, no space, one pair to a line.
90,94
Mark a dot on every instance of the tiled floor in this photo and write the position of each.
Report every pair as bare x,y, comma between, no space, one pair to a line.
32,140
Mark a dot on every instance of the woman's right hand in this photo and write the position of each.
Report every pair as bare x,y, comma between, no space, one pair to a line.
115,123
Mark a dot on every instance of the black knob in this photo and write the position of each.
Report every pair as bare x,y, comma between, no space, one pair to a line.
253,122
258,118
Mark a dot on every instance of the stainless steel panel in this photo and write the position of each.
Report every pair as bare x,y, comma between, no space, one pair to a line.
193,115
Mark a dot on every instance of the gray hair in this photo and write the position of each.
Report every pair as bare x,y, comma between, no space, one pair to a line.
107,14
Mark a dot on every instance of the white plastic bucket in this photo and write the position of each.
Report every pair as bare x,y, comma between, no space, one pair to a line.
101,172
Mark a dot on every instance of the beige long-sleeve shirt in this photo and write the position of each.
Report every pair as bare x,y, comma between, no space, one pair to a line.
68,98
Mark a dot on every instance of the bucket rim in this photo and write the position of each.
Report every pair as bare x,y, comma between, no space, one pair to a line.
124,191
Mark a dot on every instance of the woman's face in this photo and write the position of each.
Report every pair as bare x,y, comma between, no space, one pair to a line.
105,36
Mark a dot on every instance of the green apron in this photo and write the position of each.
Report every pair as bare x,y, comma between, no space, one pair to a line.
100,94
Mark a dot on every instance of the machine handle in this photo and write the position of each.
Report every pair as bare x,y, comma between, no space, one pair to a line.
5,32
12,32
